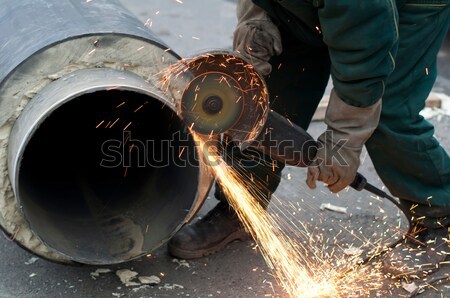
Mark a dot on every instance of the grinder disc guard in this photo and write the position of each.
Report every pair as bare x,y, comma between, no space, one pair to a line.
226,96
212,103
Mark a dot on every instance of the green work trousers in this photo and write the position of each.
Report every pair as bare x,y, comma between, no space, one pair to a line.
406,155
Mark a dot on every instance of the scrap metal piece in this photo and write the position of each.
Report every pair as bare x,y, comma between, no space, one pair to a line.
332,207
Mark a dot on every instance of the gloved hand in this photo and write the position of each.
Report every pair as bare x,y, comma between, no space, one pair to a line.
256,37
337,158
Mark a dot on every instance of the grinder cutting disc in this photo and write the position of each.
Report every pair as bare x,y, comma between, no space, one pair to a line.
226,96
212,103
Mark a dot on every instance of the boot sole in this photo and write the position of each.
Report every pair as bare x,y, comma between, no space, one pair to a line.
195,254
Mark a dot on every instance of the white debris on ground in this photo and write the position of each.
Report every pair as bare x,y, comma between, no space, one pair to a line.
332,207
32,261
444,110
411,287
141,288
131,279
33,274
99,271
353,251
181,263
429,113
171,287
118,295
149,280
127,276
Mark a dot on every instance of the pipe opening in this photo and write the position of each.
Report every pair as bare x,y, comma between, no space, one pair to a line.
108,176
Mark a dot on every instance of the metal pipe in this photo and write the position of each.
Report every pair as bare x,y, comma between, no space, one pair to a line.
101,169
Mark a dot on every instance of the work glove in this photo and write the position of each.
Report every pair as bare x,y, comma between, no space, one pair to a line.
337,158
256,37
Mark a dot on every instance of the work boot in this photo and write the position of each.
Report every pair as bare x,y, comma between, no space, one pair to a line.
420,254
208,235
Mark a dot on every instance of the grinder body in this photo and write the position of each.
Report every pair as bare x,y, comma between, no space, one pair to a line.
228,96
225,79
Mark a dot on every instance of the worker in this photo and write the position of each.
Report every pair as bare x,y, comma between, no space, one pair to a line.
381,55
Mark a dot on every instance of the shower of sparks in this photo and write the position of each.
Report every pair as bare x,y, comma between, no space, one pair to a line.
304,262
98,125
140,107
128,125
148,23
112,88
124,114
299,265
114,122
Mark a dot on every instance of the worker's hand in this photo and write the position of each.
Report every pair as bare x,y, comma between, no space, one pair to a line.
256,37
335,163
337,158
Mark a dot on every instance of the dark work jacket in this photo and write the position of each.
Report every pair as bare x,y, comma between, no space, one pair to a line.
361,35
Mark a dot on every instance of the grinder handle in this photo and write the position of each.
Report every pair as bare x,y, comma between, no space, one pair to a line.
285,141
359,183
289,143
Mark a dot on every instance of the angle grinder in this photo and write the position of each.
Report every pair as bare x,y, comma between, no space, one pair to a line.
228,96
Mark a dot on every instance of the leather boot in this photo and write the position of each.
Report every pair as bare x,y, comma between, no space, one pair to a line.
420,254
208,235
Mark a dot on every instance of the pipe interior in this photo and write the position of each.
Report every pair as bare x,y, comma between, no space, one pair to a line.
105,178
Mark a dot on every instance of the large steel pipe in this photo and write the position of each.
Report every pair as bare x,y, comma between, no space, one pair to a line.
96,167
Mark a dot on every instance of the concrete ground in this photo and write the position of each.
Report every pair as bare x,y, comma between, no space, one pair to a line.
240,270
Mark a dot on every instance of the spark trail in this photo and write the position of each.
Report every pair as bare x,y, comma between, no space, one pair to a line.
300,259
298,267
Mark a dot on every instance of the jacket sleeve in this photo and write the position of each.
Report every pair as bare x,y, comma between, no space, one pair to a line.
362,39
